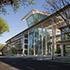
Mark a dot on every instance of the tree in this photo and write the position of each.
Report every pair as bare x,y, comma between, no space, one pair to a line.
15,4
1,47
58,50
3,26
55,5
14,51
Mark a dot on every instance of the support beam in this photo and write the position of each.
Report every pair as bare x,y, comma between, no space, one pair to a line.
61,46
28,43
34,49
23,45
42,44
46,50
53,39
34,44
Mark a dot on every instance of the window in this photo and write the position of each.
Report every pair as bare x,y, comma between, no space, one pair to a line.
26,35
65,30
26,46
26,41
30,21
26,52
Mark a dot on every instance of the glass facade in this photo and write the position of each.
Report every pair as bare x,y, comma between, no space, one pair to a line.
65,34
35,18
44,38
15,45
65,37
39,40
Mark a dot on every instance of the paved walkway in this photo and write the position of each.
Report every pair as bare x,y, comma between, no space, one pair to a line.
4,66
21,63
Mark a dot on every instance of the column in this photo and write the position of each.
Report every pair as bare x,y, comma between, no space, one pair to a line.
28,42
42,45
34,43
23,45
46,50
42,35
61,46
53,39
34,48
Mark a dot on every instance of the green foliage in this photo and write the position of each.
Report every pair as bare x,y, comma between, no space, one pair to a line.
18,46
31,2
14,51
15,4
58,50
1,46
56,4
3,26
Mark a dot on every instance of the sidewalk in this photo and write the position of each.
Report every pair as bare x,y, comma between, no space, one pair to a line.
4,66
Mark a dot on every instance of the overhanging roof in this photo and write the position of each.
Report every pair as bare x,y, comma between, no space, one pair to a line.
62,9
34,11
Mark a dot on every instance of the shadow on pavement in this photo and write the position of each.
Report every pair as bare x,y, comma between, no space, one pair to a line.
30,64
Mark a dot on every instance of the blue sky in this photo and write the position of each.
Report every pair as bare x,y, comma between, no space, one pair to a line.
14,20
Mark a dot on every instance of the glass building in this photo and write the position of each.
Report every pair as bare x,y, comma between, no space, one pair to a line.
35,16
39,36
46,35
65,37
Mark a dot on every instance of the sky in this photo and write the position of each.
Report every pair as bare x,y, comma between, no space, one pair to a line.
14,20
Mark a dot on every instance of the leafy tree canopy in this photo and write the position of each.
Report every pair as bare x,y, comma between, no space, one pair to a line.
56,4
15,4
3,26
1,46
